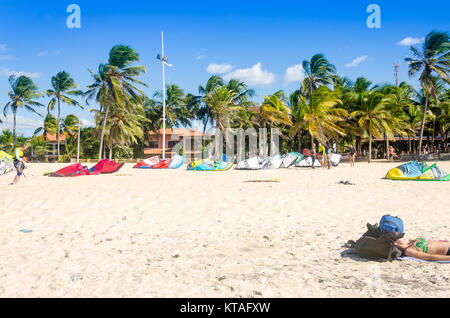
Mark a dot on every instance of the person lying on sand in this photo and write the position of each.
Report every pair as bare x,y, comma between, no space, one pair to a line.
427,250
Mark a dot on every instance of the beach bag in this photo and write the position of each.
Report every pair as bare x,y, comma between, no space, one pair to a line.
390,223
377,245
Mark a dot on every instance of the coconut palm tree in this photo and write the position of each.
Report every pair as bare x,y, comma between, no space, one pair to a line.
374,117
123,129
63,86
433,59
273,111
205,112
242,92
50,125
223,107
298,111
23,95
177,112
7,141
318,71
444,117
70,125
322,116
114,86
398,99
39,146
414,118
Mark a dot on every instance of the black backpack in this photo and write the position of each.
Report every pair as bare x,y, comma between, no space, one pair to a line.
376,245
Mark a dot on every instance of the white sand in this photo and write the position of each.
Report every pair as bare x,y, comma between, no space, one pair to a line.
178,233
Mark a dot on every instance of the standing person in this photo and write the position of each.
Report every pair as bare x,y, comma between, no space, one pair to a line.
352,155
391,153
321,155
19,163
329,151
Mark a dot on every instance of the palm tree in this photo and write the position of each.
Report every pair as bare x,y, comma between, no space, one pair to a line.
63,87
7,141
434,58
39,147
71,124
23,95
222,104
414,117
319,71
321,114
374,117
273,110
123,129
114,85
242,97
177,112
398,99
50,125
205,113
444,117
298,111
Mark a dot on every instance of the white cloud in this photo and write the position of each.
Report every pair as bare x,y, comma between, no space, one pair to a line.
357,61
87,123
7,72
410,41
200,57
254,75
294,73
42,53
6,57
218,68
21,122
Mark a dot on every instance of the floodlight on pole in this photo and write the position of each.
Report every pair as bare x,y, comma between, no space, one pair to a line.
163,59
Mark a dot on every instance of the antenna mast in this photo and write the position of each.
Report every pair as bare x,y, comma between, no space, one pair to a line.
397,67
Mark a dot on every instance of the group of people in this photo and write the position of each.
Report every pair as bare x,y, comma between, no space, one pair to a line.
322,154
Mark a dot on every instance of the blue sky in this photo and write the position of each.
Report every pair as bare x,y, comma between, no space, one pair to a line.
253,40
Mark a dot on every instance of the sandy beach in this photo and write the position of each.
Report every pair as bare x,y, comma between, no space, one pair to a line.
178,233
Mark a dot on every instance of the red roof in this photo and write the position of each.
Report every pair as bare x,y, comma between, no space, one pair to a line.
52,137
178,131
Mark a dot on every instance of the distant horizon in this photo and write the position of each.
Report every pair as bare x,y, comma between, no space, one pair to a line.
259,43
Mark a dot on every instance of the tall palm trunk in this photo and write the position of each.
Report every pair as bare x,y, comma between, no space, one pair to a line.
103,132
58,126
370,147
387,146
300,142
14,130
422,125
409,143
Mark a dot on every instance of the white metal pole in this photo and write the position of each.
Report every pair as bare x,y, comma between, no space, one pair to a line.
164,100
78,143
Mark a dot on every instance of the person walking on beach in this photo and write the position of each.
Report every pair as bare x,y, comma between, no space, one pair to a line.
352,155
19,163
321,155
391,153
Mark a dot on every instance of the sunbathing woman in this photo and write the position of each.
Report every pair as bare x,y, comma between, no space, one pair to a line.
428,250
